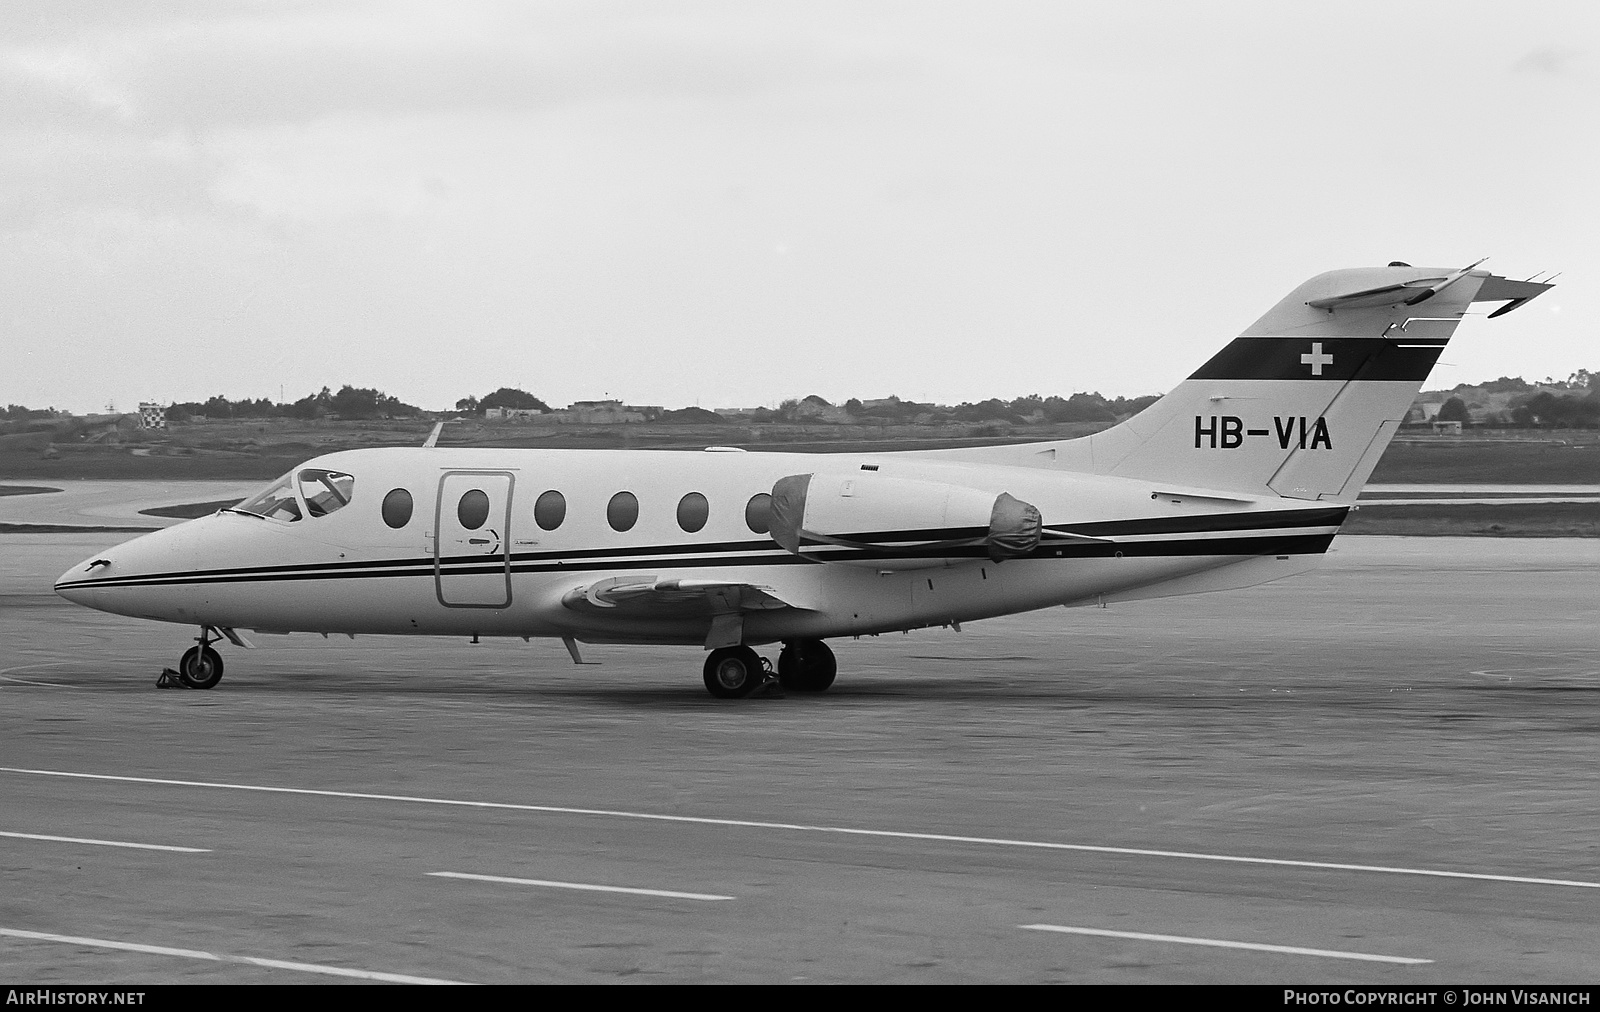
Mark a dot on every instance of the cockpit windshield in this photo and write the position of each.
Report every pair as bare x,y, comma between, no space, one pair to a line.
325,491
277,502
320,492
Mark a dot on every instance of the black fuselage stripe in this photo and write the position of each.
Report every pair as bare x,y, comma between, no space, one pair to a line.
1274,520
1281,544
1324,517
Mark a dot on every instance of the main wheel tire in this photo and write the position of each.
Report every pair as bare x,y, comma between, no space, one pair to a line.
201,668
806,666
733,672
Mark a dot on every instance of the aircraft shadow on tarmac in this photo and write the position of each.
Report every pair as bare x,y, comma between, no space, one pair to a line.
1530,688
616,691
627,687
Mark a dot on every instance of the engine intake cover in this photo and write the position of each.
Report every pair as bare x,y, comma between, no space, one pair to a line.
864,518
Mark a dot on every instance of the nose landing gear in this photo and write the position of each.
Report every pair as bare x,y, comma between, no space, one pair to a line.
201,666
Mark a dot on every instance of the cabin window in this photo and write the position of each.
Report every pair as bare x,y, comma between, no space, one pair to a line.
692,512
549,510
622,512
758,513
325,491
473,509
277,502
397,508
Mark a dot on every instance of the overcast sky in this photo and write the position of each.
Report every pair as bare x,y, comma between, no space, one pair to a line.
734,203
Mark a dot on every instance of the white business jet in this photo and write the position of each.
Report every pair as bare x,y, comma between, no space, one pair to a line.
1240,475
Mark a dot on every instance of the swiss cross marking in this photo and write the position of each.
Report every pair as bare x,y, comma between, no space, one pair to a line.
1316,359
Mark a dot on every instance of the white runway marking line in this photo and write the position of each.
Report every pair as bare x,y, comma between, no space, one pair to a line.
1219,943
581,886
106,843
888,834
223,957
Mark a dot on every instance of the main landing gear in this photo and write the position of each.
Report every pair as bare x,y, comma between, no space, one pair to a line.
735,672
806,666
803,666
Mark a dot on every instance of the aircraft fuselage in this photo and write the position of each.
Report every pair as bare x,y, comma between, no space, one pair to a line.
350,571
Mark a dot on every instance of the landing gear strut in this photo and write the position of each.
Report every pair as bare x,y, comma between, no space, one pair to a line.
734,672
201,667
806,666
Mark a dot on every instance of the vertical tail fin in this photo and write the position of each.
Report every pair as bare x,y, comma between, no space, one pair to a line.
1304,402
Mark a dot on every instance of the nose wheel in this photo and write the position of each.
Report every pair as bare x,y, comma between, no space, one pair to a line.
201,666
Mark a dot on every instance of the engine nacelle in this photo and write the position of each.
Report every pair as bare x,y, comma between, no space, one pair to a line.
866,519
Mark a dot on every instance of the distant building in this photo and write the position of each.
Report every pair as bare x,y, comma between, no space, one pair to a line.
1446,428
605,413
511,414
152,416
818,410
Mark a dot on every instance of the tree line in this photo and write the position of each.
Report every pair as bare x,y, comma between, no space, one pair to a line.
360,403
1080,407
1544,410
357,403
1532,405
1577,406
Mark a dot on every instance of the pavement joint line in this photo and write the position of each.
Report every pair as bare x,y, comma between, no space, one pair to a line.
223,957
1220,943
106,843
5,674
581,886
890,834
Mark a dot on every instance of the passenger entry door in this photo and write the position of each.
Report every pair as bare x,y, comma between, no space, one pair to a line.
472,539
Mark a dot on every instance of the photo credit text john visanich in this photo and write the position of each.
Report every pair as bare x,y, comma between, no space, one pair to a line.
1436,996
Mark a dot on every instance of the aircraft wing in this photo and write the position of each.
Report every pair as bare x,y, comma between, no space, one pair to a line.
647,595
723,602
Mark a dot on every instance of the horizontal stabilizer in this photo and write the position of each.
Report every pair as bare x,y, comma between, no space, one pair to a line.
1388,295
1409,293
1418,290
1514,292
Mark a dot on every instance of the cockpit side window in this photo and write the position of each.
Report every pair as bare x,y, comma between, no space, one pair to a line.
277,502
325,491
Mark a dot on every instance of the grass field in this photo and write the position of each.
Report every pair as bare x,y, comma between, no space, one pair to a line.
1445,519
1559,458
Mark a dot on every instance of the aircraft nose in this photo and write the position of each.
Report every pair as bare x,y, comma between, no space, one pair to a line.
76,584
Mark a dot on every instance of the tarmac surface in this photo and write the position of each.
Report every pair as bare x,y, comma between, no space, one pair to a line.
89,502
1316,781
